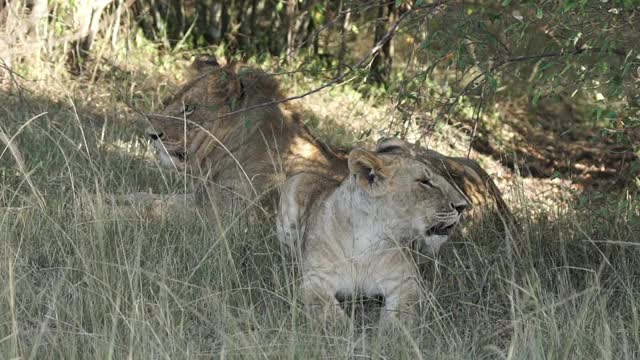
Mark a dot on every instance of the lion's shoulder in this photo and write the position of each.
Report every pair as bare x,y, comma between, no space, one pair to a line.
302,197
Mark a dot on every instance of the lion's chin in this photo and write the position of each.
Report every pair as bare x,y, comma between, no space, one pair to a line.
170,162
433,242
169,159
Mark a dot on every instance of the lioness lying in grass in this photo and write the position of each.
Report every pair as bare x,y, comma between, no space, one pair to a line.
356,236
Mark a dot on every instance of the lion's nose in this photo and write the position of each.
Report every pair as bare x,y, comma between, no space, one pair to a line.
459,207
154,134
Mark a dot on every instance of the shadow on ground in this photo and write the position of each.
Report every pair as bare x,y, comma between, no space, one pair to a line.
552,140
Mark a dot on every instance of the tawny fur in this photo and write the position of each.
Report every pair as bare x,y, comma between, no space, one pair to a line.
250,153
356,236
467,175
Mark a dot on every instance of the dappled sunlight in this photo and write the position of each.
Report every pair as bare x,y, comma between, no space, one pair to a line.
136,147
303,148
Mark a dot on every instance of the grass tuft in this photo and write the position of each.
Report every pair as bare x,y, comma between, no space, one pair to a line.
87,277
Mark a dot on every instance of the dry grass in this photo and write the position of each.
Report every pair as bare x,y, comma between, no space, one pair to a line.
84,279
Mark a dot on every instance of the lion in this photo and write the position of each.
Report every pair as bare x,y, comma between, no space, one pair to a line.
212,127
356,236
230,125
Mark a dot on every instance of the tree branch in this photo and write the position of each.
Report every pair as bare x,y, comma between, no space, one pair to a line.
521,58
360,64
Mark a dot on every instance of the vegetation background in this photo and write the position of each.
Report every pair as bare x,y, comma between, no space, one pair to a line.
544,94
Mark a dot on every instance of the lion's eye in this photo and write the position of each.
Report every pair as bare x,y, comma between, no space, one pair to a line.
425,182
371,176
181,155
189,109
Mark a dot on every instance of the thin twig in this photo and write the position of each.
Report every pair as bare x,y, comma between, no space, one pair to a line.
13,75
20,161
521,58
12,148
337,79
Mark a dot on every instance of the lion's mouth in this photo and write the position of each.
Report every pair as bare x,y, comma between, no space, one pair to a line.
440,229
180,155
177,154
171,158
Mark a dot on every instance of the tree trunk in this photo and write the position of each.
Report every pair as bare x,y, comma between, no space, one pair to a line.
206,23
5,60
345,12
224,19
272,38
5,56
315,37
88,36
115,29
240,26
38,19
307,28
381,64
178,23
291,29
3,5
88,17
139,10
252,21
387,48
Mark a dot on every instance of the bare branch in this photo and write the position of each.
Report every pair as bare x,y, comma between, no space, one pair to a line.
339,78
522,58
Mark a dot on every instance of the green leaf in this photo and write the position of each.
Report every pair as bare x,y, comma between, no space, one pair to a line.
544,65
317,14
506,2
494,16
411,95
539,13
568,6
536,99
494,83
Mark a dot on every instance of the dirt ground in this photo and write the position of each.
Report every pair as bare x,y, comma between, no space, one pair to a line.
556,155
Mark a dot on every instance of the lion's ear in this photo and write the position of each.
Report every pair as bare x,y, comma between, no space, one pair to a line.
365,167
224,86
393,146
234,85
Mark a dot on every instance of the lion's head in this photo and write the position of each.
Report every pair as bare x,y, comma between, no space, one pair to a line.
204,114
231,123
402,197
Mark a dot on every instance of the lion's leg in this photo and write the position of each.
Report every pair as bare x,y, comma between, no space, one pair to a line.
402,297
319,297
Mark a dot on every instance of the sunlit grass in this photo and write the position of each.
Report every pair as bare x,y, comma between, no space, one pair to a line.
83,278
